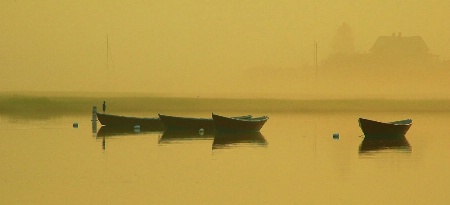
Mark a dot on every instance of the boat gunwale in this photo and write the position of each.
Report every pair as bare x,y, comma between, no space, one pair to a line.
404,122
193,118
186,118
252,119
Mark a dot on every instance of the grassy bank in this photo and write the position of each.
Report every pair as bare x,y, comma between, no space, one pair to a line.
34,105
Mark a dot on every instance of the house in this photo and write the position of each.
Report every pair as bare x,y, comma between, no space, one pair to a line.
398,50
395,51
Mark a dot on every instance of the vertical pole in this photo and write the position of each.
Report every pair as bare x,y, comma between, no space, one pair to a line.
107,51
94,120
94,113
315,58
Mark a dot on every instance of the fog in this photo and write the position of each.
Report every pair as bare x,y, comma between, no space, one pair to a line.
225,48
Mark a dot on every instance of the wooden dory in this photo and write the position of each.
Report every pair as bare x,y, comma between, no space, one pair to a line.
186,123
189,123
373,128
124,121
233,124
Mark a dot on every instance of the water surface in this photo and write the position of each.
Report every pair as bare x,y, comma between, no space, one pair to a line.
294,160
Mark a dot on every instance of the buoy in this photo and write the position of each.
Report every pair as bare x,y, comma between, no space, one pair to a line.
201,131
336,136
137,128
75,125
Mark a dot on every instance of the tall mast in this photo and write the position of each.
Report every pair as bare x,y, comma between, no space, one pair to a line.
107,50
316,55
315,58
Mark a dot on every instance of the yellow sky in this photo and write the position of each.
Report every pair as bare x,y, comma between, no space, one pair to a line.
192,47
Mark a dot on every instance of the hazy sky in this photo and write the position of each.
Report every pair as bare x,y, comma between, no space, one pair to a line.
191,46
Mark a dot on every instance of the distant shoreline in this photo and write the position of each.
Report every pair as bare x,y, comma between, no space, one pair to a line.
29,105
256,96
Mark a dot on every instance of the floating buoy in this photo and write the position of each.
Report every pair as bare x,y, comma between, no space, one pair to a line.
137,128
201,131
75,125
336,136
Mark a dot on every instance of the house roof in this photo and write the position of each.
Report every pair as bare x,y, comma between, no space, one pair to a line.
399,44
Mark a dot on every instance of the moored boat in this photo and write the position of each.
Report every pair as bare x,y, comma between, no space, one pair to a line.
186,123
373,128
189,123
233,124
124,121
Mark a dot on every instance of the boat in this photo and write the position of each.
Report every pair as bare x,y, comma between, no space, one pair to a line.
373,128
233,124
189,123
124,121
186,123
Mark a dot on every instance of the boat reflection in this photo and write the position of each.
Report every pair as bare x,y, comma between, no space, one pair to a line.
238,139
109,131
397,144
114,131
178,136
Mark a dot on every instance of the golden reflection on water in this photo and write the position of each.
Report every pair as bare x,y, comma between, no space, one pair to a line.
294,160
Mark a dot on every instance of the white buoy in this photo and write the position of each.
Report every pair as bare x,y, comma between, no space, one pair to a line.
137,128
201,131
75,125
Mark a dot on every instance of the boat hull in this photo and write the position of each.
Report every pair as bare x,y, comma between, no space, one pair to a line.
129,122
186,123
374,129
229,124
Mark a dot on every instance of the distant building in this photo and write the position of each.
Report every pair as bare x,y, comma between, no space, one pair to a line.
397,50
398,45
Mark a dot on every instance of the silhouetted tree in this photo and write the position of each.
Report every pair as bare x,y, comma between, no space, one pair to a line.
343,49
343,40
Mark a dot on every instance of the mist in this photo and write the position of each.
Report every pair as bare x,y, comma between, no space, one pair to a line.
258,49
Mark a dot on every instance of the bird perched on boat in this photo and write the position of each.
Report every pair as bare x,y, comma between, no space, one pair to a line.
104,106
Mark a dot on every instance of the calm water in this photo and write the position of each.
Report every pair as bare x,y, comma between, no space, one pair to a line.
295,160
